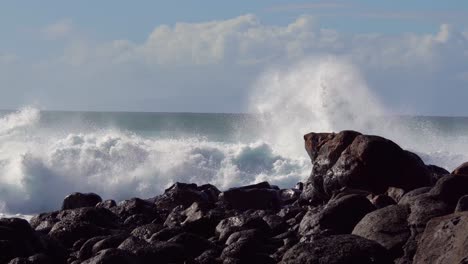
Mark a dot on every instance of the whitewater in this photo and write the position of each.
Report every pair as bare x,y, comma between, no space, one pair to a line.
46,155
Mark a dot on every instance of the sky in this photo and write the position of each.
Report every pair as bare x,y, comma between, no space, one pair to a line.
205,56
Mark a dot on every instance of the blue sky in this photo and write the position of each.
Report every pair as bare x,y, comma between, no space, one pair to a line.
111,55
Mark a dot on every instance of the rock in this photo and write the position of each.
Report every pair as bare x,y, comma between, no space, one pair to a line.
146,231
77,200
202,219
17,239
387,226
461,170
289,196
462,204
98,216
339,216
342,249
425,207
68,232
157,252
109,242
135,206
112,256
34,259
276,223
410,197
108,204
86,249
436,173
193,245
382,200
395,193
450,188
238,223
444,240
257,196
208,257
349,159
184,195
165,234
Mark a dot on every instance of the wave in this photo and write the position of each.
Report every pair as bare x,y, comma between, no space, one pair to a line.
42,162
38,169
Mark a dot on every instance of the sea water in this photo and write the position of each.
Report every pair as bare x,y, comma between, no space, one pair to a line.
45,155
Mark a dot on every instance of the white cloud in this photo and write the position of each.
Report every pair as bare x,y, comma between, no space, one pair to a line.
59,29
220,59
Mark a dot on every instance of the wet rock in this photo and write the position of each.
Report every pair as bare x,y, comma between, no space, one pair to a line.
342,249
349,159
387,226
77,200
257,196
444,240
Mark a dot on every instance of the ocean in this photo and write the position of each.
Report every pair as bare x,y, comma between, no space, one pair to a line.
46,155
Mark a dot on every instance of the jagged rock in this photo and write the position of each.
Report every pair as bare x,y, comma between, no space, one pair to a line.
387,226
338,249
350,159
339,216
77,200
257,196
289,196
444,240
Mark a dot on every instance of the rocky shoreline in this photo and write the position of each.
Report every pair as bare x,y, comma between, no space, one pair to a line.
366,201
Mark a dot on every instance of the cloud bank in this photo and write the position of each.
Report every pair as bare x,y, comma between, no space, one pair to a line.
210,66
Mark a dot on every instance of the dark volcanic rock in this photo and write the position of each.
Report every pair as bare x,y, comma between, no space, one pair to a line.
387,226
444,240
349,159
68,232
339,249
450,188
17,239
339,216
183,194
77,200
257,196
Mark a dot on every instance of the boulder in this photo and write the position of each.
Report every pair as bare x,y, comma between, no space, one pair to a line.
257,196
339,216
462,204
193,244
338,249
444,240
135,206
350,159
184,194
461,170
68,231
17,239
387,226
77,200
450,188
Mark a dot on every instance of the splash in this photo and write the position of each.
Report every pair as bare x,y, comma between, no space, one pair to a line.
319,94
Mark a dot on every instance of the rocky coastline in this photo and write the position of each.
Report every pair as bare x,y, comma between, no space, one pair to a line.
367,200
